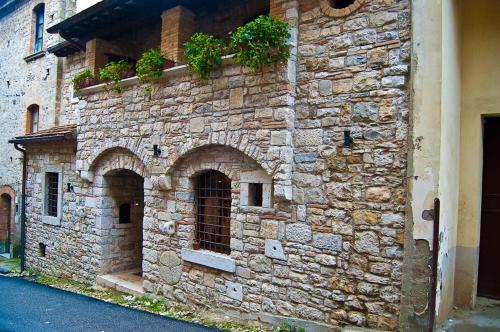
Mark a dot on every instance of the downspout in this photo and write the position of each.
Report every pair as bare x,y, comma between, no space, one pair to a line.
23,206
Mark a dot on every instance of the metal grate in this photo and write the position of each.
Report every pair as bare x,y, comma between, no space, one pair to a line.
52,193
213,213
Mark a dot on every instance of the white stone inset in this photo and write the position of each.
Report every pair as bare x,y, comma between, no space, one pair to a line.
210,259
274,249
234,291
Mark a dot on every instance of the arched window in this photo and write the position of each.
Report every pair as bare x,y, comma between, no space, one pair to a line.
32,119
39,24
213,211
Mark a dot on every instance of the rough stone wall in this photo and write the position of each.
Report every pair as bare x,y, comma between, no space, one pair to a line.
25,83
337,213
353,76
70,247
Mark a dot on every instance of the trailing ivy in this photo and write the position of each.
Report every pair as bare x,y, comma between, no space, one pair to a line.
203,53
113,73
261,42
81,77
150,67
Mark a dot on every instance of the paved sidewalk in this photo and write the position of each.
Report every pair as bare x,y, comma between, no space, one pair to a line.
28,306
484,318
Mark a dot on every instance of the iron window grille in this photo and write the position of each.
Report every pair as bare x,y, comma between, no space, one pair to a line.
213,211
39,22
52,193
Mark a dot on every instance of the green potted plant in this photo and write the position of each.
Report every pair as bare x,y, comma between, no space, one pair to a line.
203,53
150,67
261,42
113,73
83,79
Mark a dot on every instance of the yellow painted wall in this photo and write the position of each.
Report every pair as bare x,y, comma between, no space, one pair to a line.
480,96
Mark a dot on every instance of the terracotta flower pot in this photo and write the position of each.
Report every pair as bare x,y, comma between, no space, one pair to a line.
196,245
168,64
126,74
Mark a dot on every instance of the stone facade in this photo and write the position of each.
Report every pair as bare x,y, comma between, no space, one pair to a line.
27,79
328,247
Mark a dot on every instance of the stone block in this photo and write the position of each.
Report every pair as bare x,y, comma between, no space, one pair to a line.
367,242
274,249
365,112
327,241
308,137
236,98
378,194
325,87
234,291
298,232
280,137
269,229
197,125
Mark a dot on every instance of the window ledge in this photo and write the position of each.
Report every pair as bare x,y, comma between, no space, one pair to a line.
256,209
34,56
53,221
180,69
209,259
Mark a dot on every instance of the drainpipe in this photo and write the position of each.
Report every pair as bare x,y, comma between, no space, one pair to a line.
434,269
23,206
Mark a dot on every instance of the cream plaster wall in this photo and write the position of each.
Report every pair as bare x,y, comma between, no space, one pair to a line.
480,96
449,154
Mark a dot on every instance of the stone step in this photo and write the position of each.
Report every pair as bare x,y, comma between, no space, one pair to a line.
125,282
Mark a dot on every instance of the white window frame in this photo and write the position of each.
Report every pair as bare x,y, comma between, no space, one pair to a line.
46,219
258,176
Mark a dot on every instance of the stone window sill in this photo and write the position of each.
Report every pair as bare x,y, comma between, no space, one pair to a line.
209,259
257,210
53,221
135,81
34,56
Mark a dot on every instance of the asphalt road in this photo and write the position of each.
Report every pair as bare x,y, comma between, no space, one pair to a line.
27,306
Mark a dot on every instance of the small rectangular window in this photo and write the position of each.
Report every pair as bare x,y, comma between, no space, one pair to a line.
124,214
52,193
255,194
33,119
39,23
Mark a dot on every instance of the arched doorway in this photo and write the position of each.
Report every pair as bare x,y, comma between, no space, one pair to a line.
5,223
124,211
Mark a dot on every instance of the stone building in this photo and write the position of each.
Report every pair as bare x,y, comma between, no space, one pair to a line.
242,195
28,92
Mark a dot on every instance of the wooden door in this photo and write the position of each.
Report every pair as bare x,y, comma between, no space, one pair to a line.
489,246
5,216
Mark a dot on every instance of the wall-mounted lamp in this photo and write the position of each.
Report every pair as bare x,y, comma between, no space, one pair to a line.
70,188
156,150
348,141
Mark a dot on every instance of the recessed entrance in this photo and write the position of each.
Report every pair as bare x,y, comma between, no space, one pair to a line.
5,226
121,225
489,247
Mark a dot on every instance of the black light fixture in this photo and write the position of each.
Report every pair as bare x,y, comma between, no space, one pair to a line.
348,139
70,188
156,150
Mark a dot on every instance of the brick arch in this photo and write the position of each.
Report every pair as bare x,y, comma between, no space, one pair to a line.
118,159
232,140
194,170
133,146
